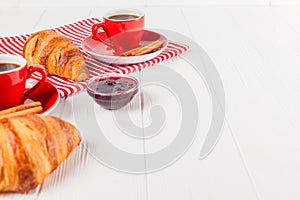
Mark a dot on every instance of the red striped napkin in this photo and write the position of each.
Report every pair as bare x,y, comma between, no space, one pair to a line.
77,32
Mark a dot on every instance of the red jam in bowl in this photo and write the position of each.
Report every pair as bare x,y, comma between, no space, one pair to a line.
112,92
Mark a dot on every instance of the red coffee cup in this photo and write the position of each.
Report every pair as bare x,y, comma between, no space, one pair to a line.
115,22
14,72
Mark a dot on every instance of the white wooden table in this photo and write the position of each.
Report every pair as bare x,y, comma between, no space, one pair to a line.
256,51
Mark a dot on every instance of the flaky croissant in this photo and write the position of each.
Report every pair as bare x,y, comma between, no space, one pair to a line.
57,53
31,147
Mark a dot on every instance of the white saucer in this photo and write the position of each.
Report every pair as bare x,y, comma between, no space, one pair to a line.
102,52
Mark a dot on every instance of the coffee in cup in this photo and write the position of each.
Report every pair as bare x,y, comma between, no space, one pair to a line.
8,66
14,72
123,28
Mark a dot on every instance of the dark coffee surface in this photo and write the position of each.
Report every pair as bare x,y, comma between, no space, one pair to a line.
121,17
8,66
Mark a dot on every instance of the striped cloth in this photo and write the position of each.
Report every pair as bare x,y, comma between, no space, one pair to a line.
77,32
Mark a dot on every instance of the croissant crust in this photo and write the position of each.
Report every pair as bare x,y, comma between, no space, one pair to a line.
57,53
31,147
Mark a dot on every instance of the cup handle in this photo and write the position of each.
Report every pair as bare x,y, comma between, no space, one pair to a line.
30,71
97,36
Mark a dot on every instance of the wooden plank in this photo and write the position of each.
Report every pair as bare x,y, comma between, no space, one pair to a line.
67,4
283,3
12,24
55,17
188,177
251,48
207,3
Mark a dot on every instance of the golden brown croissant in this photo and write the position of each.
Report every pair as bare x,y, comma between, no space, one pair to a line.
31,147
57,53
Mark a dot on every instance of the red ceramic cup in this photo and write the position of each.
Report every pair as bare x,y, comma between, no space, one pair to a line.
115,22
14,72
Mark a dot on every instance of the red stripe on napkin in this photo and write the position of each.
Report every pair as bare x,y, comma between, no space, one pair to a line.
77,32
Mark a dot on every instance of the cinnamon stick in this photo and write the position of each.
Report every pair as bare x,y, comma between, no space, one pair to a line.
30,108
150,48
144,49
128,53
20,107
23,112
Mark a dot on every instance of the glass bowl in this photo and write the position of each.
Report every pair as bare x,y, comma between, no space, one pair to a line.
112,91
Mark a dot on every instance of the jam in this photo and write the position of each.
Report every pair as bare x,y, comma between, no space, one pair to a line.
112,92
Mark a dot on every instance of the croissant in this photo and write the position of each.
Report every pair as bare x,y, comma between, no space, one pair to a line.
31,147
57,53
